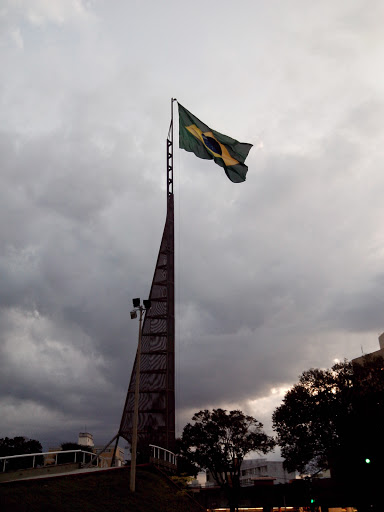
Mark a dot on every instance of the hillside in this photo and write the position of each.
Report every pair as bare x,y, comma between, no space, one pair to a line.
104,491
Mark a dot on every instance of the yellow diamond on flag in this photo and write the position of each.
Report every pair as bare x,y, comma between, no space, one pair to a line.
212,144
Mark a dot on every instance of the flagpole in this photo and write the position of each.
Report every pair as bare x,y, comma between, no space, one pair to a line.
170,155
170,375
162,295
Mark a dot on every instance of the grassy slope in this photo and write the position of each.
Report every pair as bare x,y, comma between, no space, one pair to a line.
96,492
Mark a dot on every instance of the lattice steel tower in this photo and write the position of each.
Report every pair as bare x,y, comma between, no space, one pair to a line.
156,420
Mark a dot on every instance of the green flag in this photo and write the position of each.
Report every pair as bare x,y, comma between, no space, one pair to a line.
198,138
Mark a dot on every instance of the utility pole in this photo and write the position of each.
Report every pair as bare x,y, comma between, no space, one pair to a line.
137,307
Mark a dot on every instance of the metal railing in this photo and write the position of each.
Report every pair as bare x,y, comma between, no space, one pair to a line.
162,457
101,461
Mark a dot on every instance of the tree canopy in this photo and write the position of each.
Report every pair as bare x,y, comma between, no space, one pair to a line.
19,446
331,419
219,440
63,458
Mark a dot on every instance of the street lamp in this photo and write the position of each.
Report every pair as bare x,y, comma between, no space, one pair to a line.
137,307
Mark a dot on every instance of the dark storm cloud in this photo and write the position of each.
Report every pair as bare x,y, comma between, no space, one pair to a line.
66,264
272,265
231,367
361,309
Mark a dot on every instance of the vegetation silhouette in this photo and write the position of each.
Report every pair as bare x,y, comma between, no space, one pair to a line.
332,419
19,446
218,441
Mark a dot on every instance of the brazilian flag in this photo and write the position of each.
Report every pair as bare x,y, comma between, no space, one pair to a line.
206,143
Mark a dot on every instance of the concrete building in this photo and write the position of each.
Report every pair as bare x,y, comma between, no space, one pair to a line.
255,471
86,439
108,454
380,352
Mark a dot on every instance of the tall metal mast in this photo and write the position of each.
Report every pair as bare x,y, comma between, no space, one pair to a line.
156,414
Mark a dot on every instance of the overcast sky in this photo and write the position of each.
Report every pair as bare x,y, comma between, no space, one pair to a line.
273,276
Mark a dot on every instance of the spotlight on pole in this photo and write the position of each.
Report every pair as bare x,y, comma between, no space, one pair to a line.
147,303
142,310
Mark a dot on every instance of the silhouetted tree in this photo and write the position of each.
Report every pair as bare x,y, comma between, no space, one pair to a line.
332,419
63,458
307,422
218,441
184,465
18,446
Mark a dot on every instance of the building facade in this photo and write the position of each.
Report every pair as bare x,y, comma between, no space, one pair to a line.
377,353
85,440
108,454
254,471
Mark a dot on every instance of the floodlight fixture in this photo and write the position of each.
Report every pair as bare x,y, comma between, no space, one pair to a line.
133,314
136,302
147,303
